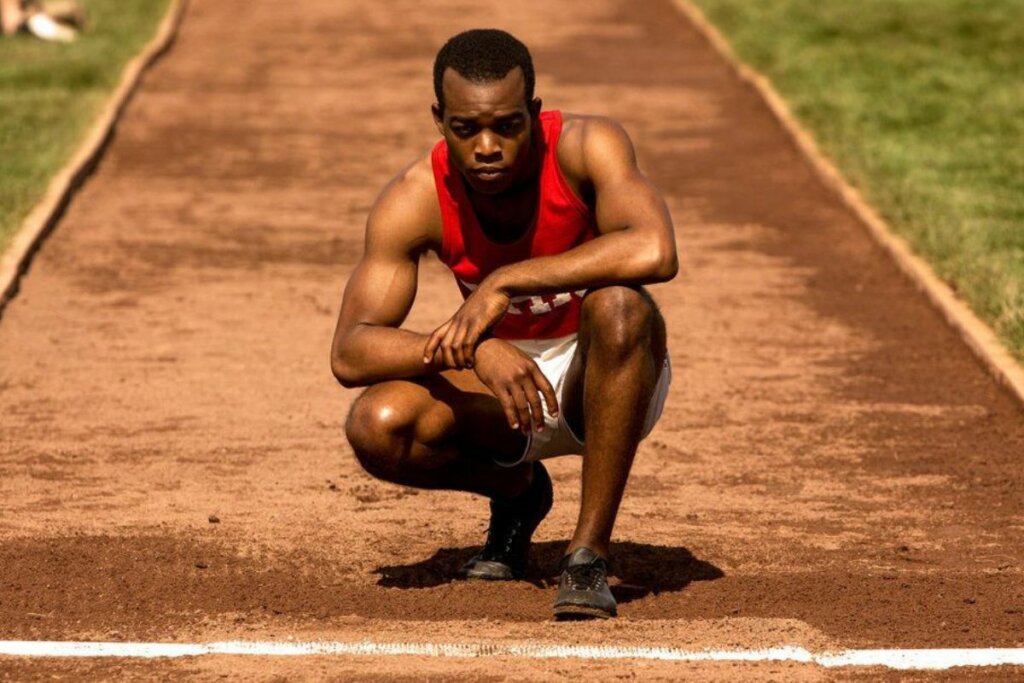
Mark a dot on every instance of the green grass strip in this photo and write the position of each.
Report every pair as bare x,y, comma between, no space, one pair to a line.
51,93
921,104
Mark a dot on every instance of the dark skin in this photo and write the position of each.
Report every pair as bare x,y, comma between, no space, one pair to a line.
441,405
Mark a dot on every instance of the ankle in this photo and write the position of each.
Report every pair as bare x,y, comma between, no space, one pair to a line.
596,547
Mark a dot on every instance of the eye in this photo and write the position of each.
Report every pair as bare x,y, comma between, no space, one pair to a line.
508,127
464,130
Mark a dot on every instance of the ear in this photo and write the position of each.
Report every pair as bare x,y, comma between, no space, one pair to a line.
535,107
435,110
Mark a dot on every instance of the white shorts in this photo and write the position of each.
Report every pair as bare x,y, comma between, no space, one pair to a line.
553,357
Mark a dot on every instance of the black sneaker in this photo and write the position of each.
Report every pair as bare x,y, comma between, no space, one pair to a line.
512,525
583,591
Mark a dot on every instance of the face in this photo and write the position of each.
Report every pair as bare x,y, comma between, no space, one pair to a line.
488,128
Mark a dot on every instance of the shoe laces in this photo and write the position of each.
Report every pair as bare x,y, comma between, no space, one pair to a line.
507,534
588,577
502,533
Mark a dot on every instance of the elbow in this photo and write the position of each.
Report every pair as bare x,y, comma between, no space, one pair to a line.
668,267
347,374
661,264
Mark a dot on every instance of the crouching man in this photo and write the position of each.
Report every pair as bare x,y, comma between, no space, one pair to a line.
550,230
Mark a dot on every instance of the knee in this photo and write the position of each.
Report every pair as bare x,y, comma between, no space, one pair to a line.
619,321
380,433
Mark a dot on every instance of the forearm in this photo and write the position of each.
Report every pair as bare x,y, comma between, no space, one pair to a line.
374,353
616,258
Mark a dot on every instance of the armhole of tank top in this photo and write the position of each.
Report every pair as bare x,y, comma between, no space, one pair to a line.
439,165
560,180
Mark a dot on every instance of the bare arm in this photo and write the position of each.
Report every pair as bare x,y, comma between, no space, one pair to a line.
368,347
636,245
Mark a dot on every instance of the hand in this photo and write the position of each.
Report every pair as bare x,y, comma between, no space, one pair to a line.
517,382
457,339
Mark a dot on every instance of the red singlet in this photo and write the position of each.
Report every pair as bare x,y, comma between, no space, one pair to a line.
561,222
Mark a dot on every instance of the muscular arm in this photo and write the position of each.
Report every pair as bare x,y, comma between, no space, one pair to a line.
368,347
636,244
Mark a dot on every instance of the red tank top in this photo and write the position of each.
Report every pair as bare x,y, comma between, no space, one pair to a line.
561,222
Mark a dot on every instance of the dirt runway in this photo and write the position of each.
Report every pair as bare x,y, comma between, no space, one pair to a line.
833,468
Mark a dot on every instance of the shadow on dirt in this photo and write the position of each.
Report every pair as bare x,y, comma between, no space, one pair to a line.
641,569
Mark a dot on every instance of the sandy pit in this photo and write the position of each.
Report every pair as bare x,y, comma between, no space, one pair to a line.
833,468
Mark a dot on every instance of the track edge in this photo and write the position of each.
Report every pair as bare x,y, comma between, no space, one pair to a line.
45,215
980,338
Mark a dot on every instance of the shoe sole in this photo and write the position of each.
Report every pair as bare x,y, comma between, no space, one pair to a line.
488,570
581,613
487,576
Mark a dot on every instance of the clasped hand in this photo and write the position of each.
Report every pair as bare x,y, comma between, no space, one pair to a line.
457,339
511,375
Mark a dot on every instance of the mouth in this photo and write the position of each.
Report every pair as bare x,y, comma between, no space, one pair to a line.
490,175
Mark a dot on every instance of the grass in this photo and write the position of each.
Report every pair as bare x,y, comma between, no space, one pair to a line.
50,93
921,104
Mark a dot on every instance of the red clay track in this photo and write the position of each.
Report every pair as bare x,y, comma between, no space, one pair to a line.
833,466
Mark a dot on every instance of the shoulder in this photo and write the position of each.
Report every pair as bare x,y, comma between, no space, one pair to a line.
407,208
589,143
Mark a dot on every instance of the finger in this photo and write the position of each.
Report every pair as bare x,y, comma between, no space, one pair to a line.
533,399
446,346
434,341
550,398
522,409
458,349
508,405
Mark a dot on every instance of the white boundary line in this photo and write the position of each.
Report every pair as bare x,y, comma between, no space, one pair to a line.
891,658
14,262
978,336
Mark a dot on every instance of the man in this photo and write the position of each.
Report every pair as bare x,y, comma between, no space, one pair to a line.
550,230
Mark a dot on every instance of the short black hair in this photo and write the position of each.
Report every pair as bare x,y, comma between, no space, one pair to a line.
481,55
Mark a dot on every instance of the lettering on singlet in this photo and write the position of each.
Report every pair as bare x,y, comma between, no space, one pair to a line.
536,304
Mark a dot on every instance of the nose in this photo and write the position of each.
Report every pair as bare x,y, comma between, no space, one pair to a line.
488,150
